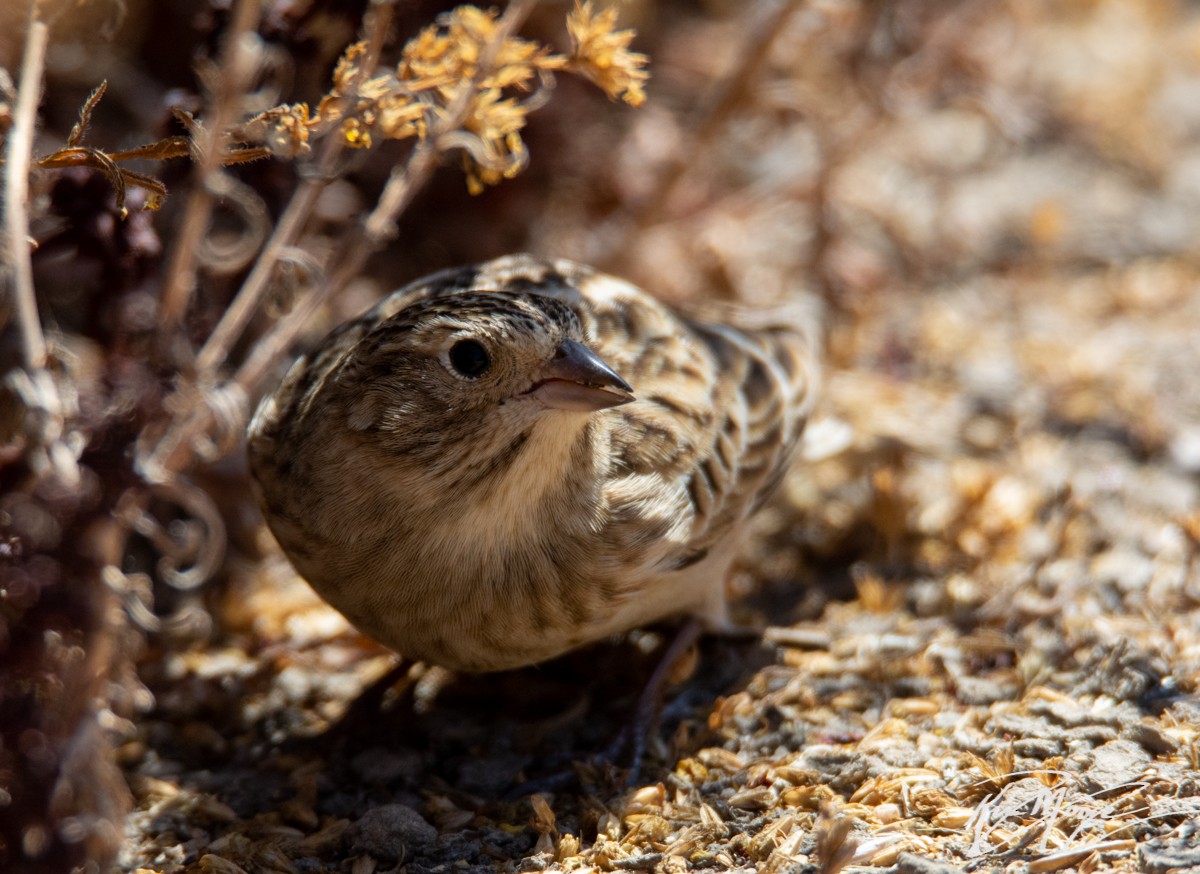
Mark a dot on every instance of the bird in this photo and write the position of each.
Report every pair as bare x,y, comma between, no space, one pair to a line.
501,463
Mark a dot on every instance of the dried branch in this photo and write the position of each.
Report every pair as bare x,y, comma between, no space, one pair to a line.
16,194
236,61
479,119
75,154
293,220
45,413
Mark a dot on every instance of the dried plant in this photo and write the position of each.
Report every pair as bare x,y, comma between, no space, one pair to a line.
454,89
997,771
76,154
464,85
836,845
440,67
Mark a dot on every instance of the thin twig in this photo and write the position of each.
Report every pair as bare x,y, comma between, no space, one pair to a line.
294,217
174,450
46,452
238,313
1073,856
16,193
181,274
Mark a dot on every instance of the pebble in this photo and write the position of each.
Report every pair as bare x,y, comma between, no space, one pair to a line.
1115,765
391,832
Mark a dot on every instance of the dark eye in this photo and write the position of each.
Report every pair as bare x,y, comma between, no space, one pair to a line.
469,358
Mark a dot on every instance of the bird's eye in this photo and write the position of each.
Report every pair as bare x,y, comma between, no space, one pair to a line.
469,358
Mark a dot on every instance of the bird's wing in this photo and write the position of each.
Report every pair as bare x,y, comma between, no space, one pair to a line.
719,412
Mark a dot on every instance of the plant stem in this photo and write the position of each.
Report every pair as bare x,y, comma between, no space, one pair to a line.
16,194
294,217
235,69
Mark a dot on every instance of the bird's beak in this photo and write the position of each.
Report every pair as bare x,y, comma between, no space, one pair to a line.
577,379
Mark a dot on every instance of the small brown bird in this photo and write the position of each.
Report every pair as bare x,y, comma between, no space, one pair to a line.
503,462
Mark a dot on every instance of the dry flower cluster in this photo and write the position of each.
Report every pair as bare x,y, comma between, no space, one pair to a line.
440,67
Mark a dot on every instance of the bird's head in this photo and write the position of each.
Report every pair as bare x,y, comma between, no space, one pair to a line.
454,367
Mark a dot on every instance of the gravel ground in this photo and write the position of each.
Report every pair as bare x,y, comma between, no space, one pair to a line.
1005,675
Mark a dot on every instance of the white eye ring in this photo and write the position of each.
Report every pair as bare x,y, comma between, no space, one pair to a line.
467,358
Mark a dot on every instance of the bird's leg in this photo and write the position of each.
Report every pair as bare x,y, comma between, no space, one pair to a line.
362,715
643,722
649,704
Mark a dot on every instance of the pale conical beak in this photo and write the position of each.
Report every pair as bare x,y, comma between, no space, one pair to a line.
577,379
